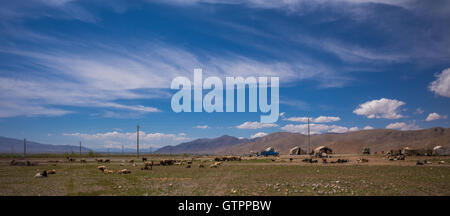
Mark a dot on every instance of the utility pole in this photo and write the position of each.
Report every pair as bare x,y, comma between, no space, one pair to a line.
80,149
24,148
137,149
309,141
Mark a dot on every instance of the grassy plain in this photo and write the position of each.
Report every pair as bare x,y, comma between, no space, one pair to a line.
251,176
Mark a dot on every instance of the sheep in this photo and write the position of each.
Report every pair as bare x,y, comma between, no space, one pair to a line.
41,175
107,171
131,161
107,161
99,160
188,166
213,166
51,172
201,166
101,168
217,163
144,159
83,160
124,171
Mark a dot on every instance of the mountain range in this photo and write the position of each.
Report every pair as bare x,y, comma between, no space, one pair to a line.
11,145
344,143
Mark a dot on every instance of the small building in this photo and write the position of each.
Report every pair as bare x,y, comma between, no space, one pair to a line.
296,151
322,151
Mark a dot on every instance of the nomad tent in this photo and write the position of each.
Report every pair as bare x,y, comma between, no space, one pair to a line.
296,151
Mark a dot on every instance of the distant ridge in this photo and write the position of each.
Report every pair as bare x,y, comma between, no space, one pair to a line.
344,143
202,146
34,147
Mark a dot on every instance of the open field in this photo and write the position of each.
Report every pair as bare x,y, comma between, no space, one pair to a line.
251,176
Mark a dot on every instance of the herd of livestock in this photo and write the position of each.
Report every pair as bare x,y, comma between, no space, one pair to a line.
322,153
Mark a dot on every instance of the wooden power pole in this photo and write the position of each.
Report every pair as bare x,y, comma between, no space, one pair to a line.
309,141
24,148
137,149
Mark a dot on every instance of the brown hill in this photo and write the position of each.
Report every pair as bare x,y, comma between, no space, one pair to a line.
350,142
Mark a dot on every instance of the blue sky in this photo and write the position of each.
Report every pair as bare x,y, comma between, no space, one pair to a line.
91,70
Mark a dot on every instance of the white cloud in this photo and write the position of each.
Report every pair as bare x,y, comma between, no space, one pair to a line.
314,128
441,86
129,139
368,127
255,125
320,119
353,129
403,126
338,129
382,108
435,116
202,126
257,135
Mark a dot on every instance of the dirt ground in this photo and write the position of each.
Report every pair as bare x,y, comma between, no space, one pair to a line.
250,176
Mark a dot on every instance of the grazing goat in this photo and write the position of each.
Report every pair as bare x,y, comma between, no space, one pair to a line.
107,161
99,160
51,172
124,171
148,166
